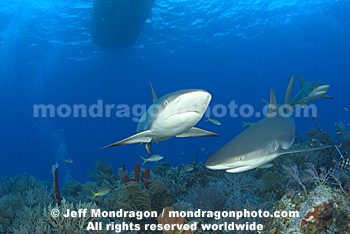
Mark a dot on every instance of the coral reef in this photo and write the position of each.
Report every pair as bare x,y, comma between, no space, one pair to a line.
341,131
161,168
316,184
160,196
61,224
103,173
323,210
147,177
22,200
56,193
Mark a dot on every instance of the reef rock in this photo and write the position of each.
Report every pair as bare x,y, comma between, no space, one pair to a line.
323,210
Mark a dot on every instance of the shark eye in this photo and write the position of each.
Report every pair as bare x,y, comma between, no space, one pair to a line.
166,102
240,158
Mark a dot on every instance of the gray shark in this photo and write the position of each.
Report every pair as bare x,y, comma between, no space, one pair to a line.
258,145
174,114
310,91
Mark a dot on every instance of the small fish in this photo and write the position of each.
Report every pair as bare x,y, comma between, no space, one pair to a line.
191,166
182,154
188,167
337,148
346,109
244,124
265,101
69,161
213,121
153,158
102,192
203,148
339,133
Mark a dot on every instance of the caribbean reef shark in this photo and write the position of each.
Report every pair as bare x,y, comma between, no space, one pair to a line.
174,114
258,145
310,91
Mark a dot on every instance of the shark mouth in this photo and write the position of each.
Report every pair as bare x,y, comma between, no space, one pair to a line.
183,113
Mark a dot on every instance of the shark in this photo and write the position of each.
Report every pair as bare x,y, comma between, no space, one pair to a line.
261,143
172,115
310,91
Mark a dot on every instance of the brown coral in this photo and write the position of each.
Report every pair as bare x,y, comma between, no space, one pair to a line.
160,196
165,218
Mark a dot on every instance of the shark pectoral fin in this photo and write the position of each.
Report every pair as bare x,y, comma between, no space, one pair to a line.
265,166
328,97
292,151
148,147
141,137
197,132
308,99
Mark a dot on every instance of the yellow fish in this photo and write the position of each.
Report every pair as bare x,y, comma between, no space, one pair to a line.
69,161
213,121
247,124
153,158
102,192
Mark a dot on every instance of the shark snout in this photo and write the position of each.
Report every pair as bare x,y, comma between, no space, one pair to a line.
322,90
195,100
211,165
214,163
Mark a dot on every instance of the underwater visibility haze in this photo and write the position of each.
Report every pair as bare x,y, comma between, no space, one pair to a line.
91,68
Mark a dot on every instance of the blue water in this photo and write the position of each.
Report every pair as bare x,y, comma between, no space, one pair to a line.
237,50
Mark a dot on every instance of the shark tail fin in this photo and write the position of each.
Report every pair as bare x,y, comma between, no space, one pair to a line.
289,90
144,160
154,95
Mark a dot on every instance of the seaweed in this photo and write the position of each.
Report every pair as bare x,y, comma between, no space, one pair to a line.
103,173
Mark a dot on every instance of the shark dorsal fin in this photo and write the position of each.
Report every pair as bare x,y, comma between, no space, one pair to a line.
154,95
289,91
301,81
273,102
